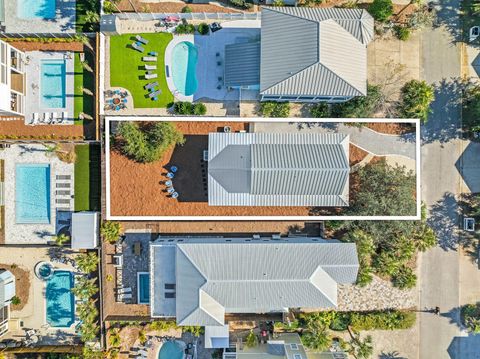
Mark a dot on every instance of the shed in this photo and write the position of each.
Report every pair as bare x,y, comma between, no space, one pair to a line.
85,230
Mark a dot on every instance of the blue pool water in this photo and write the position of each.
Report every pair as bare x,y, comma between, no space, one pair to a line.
143,288
184,65
32,193
60,300
52,84
36,9
171,350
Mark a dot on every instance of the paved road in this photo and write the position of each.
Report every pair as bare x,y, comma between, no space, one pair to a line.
440,336
374,142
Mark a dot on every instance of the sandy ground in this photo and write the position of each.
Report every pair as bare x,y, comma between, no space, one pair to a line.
16,129
22,283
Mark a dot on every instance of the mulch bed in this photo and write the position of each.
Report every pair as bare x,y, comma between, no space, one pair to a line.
171,7
356,154
391,128
16,129
47,46
22,284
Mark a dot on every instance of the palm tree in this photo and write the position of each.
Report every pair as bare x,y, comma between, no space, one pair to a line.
86,66
114,339
85,288
85,90
51,149
61,239
87,262
92,18
362,349
88,331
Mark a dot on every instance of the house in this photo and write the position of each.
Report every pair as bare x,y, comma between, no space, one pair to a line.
7,292
278,169
305,55
12,81
199,281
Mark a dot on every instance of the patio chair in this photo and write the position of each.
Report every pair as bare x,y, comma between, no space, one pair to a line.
150,67
174,169
43,117
149,59
151,76
151,85
54,117
126,290
170,175
124,100
169,183
127,296
170,190
175,195
154,94
141,39
153,53
118,260
137,47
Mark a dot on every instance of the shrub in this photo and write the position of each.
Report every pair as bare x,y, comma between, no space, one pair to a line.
251,340
362,106
194,329
114,339
148,143
416,99
340,322
470,315
320,110
471,109
203,29
274,109
404,278
403,33
16,300
183,29
382,320
199,109
186,9
87,262
61,239
381,10
188,108
241,4
111,231
161,325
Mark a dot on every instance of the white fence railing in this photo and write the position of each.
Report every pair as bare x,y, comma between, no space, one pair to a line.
187,16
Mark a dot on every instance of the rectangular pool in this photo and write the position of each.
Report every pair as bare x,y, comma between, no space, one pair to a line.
32,193
52,83
60,299
36,9
143,287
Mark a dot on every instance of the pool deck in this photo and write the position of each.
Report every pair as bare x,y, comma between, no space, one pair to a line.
31,233
33,85
63,22
33,313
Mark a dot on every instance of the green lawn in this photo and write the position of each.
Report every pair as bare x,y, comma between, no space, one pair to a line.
82,78
126,68
87,178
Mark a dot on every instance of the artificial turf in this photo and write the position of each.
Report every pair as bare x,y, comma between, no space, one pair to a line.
126,68
87,178
82,78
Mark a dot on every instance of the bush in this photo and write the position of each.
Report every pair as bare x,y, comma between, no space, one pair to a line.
404,278
87,262
148,143
241,4
183,29
61,239
16,300
362,106
403,33
381,10
203,29
274,109
416,99
110,231
161,325
470,315
340,322
382,320
251,340
188,108
471,109
186,9
199,109
320,110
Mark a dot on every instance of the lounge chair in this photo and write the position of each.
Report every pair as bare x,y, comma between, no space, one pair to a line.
150,67
155,93
151,76
137,47
141,39
126,296
153,53
125,290
151,85
149,59
175,195
169,183
137,248
170,190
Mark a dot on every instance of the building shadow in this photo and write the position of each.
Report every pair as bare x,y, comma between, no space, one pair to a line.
191,178
468,166
464,347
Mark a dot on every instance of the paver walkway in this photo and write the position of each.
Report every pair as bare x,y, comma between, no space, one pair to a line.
374,142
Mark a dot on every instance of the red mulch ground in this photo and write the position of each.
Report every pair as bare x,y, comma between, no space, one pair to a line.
391,128
356,154
16,129
47,46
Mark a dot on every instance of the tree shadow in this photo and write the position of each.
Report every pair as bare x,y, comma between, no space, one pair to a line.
448,15
444,221
391,355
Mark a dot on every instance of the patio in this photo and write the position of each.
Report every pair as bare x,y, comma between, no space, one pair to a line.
33,86
64,20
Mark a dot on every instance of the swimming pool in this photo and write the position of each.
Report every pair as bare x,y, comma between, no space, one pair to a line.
171,350
184,65
60,299
52,83
143,283
36,9
32,193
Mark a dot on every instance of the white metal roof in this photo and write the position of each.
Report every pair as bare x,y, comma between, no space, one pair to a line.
85,230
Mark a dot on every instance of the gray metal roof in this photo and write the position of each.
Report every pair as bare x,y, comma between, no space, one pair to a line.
242,64
218,278
278,169
314,51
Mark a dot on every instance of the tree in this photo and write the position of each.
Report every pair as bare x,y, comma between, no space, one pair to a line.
316,336
365,250
404,278
148,143
87,262
471,108
275,109
362,349
186,9
111,231
470,315
114,339
251,340
320,110
416,99
92,19
194,329
361,106
61,239
203,28
86,66
381,10
142,336
85,288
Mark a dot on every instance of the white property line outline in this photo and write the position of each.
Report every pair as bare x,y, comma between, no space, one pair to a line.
417,216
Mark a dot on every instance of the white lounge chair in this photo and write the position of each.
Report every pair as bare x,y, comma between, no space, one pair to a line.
151,76
141,39
149,58
138,47
126,290
126,296
150,67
